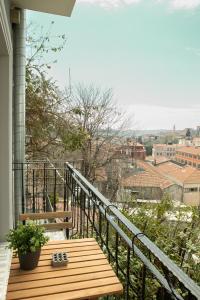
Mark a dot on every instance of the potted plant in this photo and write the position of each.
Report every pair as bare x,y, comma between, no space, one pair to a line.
27,240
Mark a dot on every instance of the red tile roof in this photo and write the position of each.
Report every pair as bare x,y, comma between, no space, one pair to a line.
182,174
149,177
190,149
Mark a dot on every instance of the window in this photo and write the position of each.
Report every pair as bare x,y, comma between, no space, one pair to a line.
191,190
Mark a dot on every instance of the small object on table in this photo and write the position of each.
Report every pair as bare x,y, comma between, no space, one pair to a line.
59,259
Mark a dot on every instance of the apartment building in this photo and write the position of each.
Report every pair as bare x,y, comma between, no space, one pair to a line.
189,155
164,150
132,151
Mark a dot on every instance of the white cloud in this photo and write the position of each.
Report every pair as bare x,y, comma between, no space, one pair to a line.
193,50
185,4
174,4
110,3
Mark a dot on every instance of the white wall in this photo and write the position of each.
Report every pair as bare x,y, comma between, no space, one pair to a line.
6,206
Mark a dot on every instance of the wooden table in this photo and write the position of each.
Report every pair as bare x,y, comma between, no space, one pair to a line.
88,274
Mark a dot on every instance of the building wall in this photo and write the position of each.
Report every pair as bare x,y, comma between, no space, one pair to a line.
137,152
147,193
167,151
6,207
188,158
176,192
191,194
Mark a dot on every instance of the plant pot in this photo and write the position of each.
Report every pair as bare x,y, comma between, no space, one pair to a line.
29,261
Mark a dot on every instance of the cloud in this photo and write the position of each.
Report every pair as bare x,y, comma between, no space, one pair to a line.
110,3
174,4
185,4
193,50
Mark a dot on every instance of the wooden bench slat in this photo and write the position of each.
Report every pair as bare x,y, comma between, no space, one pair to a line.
46,215
56,226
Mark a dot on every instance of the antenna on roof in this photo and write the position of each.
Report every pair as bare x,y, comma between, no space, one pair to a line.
70,85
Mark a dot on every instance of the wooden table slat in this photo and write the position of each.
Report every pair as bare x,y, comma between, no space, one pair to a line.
71,254
70,249
47,262
70,266
90,293
42,291
59,280
59,273
75,241
70,245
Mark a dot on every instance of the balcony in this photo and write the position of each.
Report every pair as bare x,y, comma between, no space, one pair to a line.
144,270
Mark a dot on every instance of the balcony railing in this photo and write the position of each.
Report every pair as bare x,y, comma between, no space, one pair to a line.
145,271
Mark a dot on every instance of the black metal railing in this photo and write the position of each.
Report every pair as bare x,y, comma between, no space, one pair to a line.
145,271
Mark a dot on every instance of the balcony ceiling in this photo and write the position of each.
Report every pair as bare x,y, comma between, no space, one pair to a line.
57,7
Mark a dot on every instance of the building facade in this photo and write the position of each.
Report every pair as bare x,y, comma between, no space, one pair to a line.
134,151
164,150
188,155
187,177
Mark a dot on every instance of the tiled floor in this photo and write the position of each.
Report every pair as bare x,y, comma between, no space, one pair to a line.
5,262
55,235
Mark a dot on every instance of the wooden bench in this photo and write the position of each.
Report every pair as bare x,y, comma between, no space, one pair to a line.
50,215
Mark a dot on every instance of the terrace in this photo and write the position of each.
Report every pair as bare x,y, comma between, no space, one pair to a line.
141,266
143,269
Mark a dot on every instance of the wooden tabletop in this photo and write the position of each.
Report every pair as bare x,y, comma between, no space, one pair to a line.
88,274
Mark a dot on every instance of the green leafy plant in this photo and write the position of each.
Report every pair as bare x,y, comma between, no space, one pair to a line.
26,238
51,198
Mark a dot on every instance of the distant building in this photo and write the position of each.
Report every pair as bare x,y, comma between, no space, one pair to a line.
196,141
147,183
198,131
131,150
185,176
164,150
188,155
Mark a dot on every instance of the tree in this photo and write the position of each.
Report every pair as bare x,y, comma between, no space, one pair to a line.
99,122
43,97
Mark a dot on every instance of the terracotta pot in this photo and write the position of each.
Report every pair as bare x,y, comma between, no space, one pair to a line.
29,261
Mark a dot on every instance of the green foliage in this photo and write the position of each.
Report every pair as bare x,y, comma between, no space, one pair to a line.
26,238
50,125
51,198
175,230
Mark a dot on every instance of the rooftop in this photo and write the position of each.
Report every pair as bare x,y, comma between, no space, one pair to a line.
182,174
150,177
190,149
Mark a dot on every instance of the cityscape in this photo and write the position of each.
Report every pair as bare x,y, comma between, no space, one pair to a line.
100,150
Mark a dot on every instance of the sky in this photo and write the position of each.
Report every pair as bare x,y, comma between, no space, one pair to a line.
147,51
